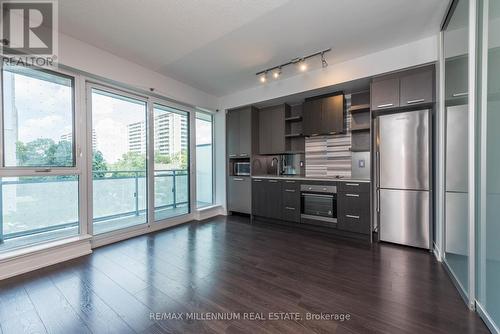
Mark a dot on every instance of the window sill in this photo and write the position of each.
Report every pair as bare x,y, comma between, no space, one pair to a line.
209,207
34,257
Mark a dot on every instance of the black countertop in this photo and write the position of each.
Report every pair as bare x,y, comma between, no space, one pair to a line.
305,178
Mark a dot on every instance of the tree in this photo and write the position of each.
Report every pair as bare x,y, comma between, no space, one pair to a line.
98,164
130,161
180,159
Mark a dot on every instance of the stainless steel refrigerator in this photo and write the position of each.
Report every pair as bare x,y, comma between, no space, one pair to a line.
403,178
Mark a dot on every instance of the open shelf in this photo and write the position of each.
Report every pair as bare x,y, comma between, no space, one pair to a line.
293,119
359,150
359,108
360,128
292,135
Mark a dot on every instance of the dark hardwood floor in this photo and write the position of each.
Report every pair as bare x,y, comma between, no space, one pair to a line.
227,267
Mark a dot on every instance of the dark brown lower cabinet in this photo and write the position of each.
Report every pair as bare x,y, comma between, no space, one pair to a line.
291,201
239,194
259,206
353,213
266,198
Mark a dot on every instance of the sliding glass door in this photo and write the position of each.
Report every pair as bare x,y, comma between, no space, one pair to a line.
119,150
39,169
457,111
171,162
488,250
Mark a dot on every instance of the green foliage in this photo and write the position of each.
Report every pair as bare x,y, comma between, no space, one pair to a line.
180,159
98,164
44,152
130,161
162,158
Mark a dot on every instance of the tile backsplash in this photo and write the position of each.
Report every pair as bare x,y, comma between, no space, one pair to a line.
329,156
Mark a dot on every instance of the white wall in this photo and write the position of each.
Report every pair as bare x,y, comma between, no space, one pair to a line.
85,57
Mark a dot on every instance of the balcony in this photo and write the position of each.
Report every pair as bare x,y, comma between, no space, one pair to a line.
42,208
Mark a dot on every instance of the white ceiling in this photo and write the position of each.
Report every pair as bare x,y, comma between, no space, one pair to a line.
218,45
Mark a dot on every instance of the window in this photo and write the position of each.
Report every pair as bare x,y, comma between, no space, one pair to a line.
37,118
171,162
204,160
36,209
119,184
39,181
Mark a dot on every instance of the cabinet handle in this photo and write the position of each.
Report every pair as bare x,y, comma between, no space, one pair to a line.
288,181
243,154
352,195
289,208
258,180
352,184
351,216
273,181
238,179
460,94
290,190
385,105
232,155
415,101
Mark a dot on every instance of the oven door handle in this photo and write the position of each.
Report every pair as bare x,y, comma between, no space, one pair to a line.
316,195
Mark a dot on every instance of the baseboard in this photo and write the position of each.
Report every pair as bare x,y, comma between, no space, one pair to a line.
437,252
206,213
458,286
40,256
487,319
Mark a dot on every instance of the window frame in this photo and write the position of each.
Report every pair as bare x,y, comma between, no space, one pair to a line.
82,142
212,120
76,103
89,87
78,147
189,114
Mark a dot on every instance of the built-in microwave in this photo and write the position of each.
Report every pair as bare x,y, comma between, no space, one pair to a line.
241,168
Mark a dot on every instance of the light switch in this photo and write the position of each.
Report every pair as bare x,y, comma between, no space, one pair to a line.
361,163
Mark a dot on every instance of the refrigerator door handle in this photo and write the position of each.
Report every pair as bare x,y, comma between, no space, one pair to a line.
378,200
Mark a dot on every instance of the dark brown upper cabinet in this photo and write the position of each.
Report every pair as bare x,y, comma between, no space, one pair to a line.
272,129
332,121
311,117
241,124
417,88
324,115
385,93
456,78
403,89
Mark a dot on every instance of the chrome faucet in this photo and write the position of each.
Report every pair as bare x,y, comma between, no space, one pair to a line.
277,165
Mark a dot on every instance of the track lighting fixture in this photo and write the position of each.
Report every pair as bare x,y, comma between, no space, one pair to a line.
263,77
324,63
277,73
300,62
302,65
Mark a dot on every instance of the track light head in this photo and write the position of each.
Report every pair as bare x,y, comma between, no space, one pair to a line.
263,77
324,63
277,73
302,65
